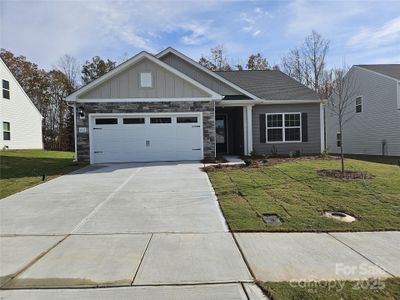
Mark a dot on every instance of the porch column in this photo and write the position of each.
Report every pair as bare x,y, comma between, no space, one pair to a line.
249,121
245,147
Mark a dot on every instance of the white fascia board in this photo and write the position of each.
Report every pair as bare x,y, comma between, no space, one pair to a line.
74,96
19,86
266,102
197,65
113,100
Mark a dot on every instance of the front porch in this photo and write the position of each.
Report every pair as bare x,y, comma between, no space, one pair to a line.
233,130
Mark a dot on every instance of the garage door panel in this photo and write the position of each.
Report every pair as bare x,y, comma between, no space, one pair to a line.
147,142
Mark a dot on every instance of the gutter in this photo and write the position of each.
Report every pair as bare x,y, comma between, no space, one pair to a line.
267,102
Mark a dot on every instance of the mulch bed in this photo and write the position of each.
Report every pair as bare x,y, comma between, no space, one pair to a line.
347,174
264,162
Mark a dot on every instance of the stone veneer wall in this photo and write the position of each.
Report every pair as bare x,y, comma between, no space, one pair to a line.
206,107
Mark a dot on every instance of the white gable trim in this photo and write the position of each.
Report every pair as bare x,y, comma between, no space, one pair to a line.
197,65
74,96
20,87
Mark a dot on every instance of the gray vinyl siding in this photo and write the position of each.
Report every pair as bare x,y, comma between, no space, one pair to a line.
126,85
312,146
379,120
199,75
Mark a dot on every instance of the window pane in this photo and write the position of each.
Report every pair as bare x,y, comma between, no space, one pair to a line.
186,119
160,120
292,120
133,120
6,94
6,136
6,126
358,108
6,84
275,135
109,121
292,134
358,101
274,120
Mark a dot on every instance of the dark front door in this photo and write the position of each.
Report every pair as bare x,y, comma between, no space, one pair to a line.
221,134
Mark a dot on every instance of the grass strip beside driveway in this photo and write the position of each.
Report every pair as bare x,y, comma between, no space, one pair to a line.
388,289
295,192
21,169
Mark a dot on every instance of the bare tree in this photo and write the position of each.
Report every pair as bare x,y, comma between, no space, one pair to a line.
217,61
70,67
341,102
315,49
307,63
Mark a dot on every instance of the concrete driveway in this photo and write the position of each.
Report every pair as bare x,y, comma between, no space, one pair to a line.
121,225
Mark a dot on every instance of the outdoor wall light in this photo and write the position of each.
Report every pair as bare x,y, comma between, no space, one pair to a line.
81,112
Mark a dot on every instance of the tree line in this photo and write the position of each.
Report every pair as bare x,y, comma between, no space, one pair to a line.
47,89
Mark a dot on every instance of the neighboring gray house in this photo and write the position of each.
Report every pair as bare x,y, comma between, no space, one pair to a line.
167,107
374,128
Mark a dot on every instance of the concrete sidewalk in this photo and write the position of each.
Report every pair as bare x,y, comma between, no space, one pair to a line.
321,256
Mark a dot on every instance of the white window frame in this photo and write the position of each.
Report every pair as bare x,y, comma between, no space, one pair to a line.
338,139
283,127
9,130
146,80
3,88
361,104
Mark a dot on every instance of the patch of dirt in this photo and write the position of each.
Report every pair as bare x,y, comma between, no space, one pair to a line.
350,175
264,161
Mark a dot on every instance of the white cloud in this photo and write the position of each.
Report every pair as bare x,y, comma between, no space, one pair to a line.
324,16
374,37
199,33
254,20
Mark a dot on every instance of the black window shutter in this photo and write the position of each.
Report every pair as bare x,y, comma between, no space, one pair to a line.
263,138
304,127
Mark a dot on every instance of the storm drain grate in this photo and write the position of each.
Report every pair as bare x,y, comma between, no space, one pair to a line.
271,219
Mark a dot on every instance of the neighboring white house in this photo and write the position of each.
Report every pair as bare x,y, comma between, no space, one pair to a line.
21,121
374,128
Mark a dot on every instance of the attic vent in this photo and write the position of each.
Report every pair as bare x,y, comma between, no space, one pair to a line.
146,80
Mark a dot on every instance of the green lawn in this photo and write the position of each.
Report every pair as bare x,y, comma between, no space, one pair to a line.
388,289
21,169
295,192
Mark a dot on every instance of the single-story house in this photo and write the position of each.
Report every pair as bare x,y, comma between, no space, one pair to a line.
167,107
21,121
373,127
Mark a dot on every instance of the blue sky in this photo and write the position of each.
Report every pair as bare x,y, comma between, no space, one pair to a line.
360,32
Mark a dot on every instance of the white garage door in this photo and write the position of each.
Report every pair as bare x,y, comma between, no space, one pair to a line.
140,137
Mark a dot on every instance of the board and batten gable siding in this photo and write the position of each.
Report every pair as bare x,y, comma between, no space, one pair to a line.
25,120
127,85
312,146
199,75
378,121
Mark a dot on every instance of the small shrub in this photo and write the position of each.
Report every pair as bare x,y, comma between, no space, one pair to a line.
293,154
248,162
253,154
325,153
274,150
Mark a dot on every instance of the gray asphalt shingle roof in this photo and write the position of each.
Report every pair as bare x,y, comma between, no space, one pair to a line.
392,70
270,85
